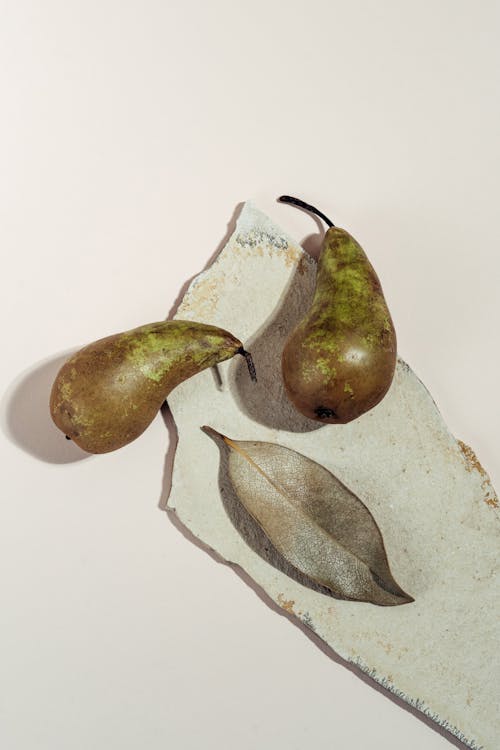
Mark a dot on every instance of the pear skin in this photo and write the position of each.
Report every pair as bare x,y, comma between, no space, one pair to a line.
107,393
339,361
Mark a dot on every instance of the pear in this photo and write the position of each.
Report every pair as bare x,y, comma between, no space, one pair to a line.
339,361
107,393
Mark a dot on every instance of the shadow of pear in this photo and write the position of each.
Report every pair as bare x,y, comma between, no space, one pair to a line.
313,243
266,401
26,416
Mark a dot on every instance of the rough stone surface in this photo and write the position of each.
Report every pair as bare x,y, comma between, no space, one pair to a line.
432,500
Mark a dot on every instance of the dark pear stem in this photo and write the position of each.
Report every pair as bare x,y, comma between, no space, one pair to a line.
249,361
306,206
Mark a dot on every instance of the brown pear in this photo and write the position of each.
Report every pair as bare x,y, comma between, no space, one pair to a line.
107,393
339,361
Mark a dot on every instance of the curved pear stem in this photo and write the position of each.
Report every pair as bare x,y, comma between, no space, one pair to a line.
306,206
249,361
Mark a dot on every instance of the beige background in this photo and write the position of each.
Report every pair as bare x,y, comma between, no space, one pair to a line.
130,132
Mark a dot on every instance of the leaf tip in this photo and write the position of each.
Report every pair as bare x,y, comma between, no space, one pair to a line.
391,587
407,599
216,435
399,599
211,432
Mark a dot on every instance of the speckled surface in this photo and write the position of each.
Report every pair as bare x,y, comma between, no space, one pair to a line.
432,500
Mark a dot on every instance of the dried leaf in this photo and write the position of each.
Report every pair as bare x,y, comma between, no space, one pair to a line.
314,521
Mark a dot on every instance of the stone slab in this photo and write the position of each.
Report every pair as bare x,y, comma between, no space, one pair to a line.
432,500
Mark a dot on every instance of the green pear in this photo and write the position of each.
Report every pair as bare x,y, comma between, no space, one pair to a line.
107,393
339,361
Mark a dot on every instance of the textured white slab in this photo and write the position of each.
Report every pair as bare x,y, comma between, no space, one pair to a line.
435,506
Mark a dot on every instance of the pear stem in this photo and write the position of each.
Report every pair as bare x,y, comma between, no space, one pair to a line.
306,206
249,361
